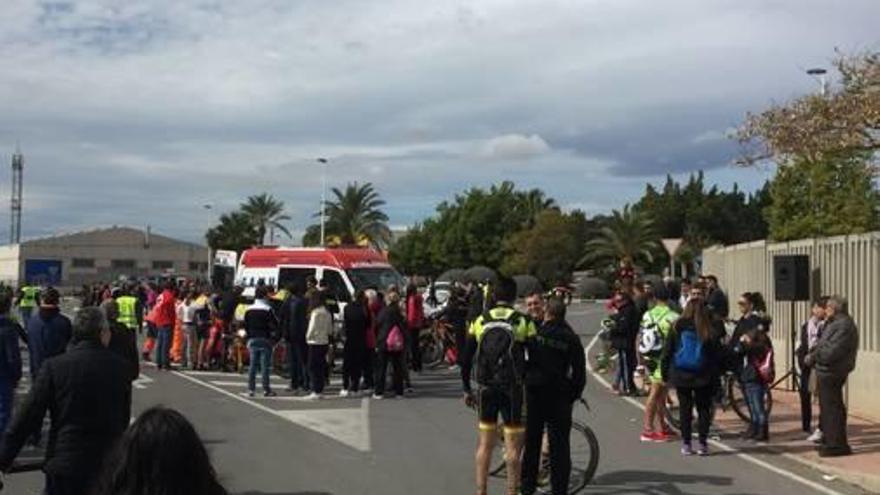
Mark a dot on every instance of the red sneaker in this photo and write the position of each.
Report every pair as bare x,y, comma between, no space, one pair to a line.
648,436
662,437
669,432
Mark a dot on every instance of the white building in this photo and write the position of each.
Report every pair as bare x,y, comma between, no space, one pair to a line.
70,260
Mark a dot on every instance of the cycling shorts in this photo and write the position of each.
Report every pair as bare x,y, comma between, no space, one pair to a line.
509,404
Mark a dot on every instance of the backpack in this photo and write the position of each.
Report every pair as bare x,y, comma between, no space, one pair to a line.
496,363
689,356
650,340
394,341
766,367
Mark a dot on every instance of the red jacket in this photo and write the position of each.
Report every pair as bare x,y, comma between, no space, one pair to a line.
164,312
415,312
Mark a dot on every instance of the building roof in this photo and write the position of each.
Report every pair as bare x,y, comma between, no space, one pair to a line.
110,237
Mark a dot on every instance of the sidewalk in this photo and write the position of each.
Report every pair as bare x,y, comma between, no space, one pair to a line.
786,438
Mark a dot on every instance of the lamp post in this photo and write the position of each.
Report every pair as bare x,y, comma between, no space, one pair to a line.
323,162
209,207
819,74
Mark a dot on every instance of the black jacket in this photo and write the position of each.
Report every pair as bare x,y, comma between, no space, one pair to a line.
260,321
836,351
87,392
556,360
356,322
626,326
123,342
713,358
388,317
455,314
718,304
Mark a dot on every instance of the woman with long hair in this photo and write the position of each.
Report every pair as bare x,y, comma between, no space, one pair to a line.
753,350
159,454
691,364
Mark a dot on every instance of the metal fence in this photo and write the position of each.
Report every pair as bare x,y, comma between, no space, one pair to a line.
845,265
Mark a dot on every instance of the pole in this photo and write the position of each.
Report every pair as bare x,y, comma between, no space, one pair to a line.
671,267
323,162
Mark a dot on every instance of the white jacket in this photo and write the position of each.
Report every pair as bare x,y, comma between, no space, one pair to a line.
320,327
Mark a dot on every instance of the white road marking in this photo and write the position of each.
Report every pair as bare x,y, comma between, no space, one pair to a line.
221,383
142,382
715,443
351,428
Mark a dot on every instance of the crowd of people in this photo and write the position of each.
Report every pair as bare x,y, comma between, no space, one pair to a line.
685,340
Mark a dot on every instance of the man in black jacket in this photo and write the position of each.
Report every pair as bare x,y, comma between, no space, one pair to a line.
623,339
294,321
88,392
555,378
833,359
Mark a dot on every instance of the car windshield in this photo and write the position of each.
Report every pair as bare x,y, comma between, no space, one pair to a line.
378,278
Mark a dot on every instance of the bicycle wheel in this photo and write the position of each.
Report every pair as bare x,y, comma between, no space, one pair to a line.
584,461
737,398
431,350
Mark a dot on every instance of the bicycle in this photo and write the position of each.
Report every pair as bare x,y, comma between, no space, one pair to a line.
731,396
584,457
438,345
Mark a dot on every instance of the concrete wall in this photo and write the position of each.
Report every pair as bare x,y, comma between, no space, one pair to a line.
845,265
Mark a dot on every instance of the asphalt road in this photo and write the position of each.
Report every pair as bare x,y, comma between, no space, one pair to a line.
424,444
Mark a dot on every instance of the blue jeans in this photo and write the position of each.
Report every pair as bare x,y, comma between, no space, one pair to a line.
163,347
261,356
626,366
6,398
755,393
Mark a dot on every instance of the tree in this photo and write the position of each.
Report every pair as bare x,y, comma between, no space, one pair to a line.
235,232
266,213
627,234
549,250
469,230
844,121
826,197
533,203
353,218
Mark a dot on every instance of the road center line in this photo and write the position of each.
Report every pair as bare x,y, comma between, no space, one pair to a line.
716,443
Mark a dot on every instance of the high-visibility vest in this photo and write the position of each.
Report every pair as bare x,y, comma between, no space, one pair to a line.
127,311
29,296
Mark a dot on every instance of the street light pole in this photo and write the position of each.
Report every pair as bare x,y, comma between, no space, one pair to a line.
209,207
323,162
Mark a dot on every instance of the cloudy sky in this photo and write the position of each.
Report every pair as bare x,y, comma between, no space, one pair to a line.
141,112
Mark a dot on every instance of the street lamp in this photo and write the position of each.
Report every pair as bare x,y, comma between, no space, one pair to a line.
209,207
323,162
819,74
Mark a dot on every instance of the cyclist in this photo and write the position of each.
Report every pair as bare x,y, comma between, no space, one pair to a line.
555,380
496,345
655,328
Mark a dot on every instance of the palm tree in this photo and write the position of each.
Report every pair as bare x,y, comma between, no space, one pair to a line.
627,234
534,202
235,232
266,213
354,218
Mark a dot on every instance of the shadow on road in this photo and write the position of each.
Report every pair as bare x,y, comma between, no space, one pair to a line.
283,493
651,483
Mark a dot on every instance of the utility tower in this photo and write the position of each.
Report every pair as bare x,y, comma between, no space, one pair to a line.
15,207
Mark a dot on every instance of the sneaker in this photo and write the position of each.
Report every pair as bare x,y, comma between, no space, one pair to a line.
669,432
251,393
290,389
816,437
662,437
378,397
313,396
343,393
687,450
269,393
703,450
648,436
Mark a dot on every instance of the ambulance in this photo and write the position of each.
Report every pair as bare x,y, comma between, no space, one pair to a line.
342,270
